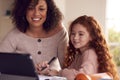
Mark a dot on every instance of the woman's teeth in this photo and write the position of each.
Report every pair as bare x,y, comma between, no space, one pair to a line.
36,19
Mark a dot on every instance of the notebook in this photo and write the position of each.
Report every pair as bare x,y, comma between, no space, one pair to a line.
14,65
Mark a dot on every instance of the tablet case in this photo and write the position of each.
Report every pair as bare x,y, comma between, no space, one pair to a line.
17,65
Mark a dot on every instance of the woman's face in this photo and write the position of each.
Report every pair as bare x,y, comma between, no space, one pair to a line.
79,36
36,15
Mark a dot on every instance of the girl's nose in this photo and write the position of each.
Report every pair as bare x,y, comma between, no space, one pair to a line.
76,36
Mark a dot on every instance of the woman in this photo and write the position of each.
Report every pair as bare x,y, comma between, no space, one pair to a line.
38,31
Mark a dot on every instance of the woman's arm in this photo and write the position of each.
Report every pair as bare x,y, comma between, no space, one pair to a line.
62,45
8,44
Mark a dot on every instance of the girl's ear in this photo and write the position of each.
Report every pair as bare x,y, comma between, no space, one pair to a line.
90,38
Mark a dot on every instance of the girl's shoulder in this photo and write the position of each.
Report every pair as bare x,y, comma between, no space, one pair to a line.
90,52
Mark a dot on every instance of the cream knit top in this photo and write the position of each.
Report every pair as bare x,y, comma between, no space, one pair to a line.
41,49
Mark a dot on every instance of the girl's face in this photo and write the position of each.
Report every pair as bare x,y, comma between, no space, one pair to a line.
79,36
36,15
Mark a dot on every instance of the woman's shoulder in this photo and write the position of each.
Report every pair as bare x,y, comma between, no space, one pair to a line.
60,30
12,36
13,33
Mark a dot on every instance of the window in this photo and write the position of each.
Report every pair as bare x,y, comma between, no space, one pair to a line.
113,28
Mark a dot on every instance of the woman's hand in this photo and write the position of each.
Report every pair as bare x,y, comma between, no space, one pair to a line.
40,67
46,70
52,72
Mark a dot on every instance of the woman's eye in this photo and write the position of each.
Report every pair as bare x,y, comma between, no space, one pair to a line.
31,7
41,9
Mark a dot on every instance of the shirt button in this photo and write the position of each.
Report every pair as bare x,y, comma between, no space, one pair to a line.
39,52
39,40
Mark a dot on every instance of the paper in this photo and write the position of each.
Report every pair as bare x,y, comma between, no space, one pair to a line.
42,77
55,65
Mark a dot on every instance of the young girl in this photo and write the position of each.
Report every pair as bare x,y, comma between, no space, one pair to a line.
88,51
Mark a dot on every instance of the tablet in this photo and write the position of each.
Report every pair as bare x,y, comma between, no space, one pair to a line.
19,64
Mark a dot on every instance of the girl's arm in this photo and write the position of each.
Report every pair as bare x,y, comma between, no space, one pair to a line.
89,66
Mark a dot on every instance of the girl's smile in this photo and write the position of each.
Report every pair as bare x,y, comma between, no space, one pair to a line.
79,36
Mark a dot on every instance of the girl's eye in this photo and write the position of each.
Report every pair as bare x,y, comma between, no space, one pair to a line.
72,33
81,34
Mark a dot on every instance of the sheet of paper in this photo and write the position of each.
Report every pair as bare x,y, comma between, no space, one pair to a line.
42,77
55,65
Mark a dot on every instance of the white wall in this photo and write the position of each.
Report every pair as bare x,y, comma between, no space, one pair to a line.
5,5
75,8
61,5
5,26
5,22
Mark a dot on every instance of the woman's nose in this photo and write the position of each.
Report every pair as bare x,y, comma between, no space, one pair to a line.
36,12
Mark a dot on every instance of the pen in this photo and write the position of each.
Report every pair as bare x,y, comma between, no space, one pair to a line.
49,63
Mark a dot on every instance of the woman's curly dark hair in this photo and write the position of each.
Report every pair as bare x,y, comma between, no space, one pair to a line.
98,42
18,16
